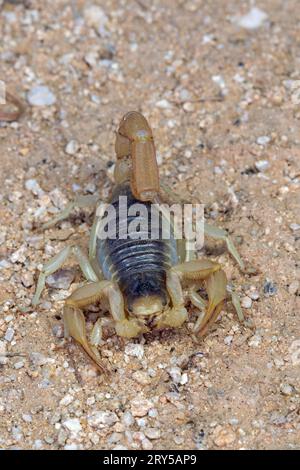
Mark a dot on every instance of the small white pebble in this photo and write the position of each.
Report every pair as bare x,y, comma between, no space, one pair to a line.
184,379
66,400
101,419
73,425
72,147
152,433
175,374
286,389
72,446
27,418
153,413
189,107
9,318
33,186
254,295
127,418
38,444
246,302
253,19
95,16
163,104
255,341
228,340
263,140
140,407
19,365
40,96
90,401
262,165
9,334
135,350
294,227
141,422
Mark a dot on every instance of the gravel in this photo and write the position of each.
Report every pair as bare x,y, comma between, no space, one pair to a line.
222,99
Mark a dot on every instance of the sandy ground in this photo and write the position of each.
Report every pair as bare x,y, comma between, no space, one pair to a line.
223,101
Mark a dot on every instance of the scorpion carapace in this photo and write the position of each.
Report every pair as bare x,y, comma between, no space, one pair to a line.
140,276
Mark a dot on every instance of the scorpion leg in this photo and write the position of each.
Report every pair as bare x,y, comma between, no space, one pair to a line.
79,201
216,281
56,263
92,247
74,320
220,234
176,315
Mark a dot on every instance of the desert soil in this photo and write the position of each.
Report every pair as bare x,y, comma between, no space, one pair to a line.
223,100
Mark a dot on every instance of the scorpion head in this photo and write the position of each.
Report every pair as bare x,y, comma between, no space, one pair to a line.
146,296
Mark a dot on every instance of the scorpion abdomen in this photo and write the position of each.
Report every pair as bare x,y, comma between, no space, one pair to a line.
138,265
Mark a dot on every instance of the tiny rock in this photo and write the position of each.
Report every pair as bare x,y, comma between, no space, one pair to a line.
269,288
33,186
286,389
38,359
254,295
27,280
294,287
223,437
175,374
95,16
2,348
19,365
255,341
141,377
72,147
9,334
127,419
73,425
263,140
61,279
40,96
140,406
262,165
152,433
72,446
146,444
294,227
163,104
228,340
135,350
66,400
253,19
246,302
101,419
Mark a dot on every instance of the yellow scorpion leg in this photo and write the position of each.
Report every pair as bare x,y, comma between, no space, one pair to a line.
215,280
75,322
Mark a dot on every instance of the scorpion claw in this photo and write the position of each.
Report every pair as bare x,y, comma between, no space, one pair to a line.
174,318
130,328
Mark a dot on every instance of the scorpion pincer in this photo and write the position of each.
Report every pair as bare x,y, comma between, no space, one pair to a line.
147,282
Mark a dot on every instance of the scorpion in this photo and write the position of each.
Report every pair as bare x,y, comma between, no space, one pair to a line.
147,282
